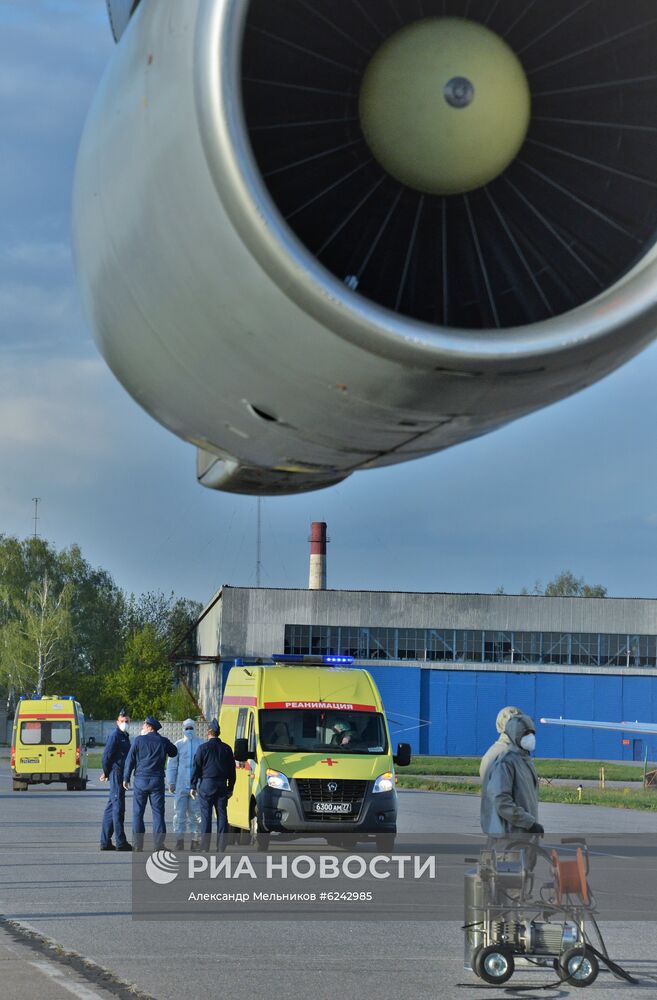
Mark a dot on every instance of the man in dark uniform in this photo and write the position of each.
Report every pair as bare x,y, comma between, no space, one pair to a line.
147,758
214,774
114,755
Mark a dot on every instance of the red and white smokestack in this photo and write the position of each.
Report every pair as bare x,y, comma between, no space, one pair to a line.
317,577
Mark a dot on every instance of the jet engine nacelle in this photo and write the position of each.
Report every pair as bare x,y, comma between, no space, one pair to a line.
290,263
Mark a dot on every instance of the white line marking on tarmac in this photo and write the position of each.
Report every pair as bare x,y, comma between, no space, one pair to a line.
56,974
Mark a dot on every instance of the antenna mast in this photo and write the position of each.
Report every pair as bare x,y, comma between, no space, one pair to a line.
35,516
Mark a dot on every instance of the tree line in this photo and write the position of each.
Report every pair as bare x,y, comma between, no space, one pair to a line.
565,584
67,628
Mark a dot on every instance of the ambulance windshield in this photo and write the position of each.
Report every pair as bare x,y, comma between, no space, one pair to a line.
321,729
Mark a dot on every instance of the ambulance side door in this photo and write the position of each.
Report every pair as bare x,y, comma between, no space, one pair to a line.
239,803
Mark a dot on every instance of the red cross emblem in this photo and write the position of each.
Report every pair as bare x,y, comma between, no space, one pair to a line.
329,762
60,753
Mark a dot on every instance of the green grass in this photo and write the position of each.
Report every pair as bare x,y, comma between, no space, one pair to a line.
575,769
625,798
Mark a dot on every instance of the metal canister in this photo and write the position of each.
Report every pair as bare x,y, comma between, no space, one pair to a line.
475,900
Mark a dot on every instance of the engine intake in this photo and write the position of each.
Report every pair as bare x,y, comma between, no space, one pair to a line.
574,211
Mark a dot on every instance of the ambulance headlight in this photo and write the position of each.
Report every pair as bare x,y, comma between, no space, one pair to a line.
277,780
385,782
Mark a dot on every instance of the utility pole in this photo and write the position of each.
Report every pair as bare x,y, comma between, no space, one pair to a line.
35,517
259,543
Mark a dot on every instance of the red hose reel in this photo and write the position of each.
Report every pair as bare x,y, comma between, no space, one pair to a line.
570,876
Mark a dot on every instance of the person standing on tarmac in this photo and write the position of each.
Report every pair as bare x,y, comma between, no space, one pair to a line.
502,743
214,774
114,756
509,790
186,810
146,758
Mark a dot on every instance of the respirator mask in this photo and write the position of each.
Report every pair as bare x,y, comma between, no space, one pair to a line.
123,726
528,742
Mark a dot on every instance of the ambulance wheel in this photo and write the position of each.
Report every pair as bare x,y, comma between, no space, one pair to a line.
259,837
385,843
579,966
82,785
20,786
494,964
71,786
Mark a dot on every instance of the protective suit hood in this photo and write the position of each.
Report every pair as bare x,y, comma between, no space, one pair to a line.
503,741
518,726
504,715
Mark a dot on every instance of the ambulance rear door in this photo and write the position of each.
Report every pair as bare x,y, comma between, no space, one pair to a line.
61,746
30,745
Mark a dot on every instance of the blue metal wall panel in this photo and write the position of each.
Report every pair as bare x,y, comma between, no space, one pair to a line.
638,704
521,692
607,706
400,691
549,704
462,705
578,704
491,696
437,716
462,713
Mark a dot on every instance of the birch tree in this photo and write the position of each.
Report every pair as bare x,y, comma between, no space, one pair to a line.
36,641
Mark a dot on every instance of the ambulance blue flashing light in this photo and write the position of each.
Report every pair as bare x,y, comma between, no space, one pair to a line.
310,660
47,697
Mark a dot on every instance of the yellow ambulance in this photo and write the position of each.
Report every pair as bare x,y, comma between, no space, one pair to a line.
313,753
48,743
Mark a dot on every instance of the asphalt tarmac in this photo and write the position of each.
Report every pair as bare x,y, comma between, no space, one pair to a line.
54,881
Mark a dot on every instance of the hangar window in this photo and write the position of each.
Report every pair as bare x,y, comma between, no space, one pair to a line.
297,638
614,651
440,645
354,642
555,648
585,649
498,647
411,644
323,640
474,645
467,645
527,647
643,650
382,643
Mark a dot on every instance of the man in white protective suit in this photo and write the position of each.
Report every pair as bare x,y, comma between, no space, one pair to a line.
186,811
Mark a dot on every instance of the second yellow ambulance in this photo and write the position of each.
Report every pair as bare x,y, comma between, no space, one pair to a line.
48,743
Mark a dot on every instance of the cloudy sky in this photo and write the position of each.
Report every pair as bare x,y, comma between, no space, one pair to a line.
574,486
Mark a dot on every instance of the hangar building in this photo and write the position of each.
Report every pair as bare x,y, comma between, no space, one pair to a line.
445,663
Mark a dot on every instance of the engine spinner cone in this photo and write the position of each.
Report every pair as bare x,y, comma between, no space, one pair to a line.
445,105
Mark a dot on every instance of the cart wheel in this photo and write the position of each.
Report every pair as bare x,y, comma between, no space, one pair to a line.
494,964
579,966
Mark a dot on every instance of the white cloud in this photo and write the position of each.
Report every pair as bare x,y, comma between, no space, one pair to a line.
54,414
